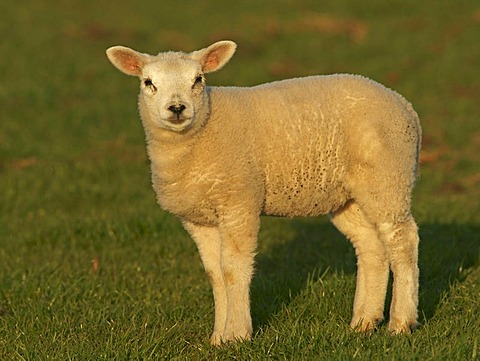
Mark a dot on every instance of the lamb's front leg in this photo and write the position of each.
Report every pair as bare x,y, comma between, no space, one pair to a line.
208,241
239,240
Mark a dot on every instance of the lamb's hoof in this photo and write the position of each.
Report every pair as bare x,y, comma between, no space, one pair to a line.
398,327
236,337
365,325
216,339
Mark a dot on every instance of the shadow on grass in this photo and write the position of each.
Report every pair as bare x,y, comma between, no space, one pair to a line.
447,252
284,268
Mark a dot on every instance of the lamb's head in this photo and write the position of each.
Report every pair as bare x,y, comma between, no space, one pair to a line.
172,90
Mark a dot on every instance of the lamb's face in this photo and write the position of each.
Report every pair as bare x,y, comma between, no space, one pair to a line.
172,90
172,93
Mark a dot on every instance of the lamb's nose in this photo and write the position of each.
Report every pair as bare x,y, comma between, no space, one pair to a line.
177,109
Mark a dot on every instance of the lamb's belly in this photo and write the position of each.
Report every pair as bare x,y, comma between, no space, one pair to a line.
304,199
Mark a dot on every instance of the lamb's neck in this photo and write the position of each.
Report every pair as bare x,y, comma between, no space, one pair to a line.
169,161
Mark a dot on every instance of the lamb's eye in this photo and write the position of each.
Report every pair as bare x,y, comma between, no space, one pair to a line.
198,80
149,84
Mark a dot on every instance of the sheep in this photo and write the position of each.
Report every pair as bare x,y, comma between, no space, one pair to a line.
339,145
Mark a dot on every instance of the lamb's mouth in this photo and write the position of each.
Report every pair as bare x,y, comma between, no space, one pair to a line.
178,124
178,120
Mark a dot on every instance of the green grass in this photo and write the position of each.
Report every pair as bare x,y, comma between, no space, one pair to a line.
75,183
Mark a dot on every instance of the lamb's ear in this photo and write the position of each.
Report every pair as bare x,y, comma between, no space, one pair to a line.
127,60
215,56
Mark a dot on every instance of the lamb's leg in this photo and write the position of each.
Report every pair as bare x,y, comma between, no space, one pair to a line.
208,241
239,238
401,241
372,266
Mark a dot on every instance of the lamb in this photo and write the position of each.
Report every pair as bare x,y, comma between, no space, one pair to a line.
221,157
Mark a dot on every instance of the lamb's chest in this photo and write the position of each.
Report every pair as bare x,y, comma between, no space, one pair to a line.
188,198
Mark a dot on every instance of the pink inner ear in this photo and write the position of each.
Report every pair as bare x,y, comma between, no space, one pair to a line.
211,63
130,63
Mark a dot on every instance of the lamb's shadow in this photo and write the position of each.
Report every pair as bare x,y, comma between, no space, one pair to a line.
447,251
306,249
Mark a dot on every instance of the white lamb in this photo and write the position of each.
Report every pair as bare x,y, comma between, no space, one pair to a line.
341,145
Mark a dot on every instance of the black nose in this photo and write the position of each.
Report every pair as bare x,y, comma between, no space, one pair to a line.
177,109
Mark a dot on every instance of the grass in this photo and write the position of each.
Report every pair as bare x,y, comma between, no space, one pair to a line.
75,188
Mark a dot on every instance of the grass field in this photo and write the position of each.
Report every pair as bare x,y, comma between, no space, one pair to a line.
91,268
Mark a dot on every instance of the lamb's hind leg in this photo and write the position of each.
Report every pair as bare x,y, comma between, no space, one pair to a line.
372,266
401,241
208,241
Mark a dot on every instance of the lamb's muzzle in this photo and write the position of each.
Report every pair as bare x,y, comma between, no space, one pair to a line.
177,110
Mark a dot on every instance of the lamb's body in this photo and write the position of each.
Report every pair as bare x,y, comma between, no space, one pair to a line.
341,145
303,160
